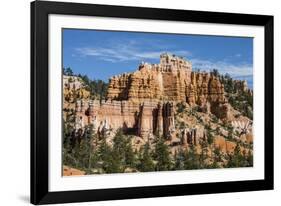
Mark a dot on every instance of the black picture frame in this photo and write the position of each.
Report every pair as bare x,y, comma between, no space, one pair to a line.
39,102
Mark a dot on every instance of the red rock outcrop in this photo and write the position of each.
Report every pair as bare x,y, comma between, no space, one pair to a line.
171,80
69,171
141,119
142,102
164,81
167,81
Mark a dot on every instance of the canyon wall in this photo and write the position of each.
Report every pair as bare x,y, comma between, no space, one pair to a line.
143,102
142,119
171,80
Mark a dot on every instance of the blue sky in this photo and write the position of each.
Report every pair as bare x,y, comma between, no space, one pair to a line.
102,54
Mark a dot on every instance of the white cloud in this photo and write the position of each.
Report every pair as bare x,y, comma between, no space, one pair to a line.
139,50
241,69
125,53
128,51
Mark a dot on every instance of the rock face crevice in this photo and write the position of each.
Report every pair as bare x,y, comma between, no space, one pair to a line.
143,102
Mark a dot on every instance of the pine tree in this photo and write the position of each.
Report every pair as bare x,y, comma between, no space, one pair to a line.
105,155
217,155
67,152
119,151
179,160
67,71
210,137
146,161
130,156
250,160
191,159
215,72
204,153
162,156
120,156
237,159
85,153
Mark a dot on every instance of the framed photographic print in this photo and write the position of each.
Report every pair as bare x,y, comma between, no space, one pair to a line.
133,102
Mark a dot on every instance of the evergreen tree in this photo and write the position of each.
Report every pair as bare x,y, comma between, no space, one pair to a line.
179,160
213,165
120,156
217,155
249,159
204,153
210,136
237,159
191,160
215,72
162,156
130,156
67,153
86,150
97,88
119,151
68,71
146,161
105,155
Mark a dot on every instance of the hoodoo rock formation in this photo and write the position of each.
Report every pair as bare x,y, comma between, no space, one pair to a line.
171,80
165,81
143,102
160,117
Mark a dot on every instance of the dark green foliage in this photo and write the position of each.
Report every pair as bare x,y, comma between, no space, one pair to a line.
103,158
146,161
215,119
239,100
249,159
90,156
162,156
230,130
98,88
118,151
67,71
122,150
67,147
204,153
217,156
215,72
191,160
210,136
243,103
180,107
80,155
179,160
239,159
119,157
130,156
182,125
213,165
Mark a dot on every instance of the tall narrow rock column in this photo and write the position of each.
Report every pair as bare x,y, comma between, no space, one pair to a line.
146,120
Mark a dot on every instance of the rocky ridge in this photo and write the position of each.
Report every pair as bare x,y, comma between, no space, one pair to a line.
167,100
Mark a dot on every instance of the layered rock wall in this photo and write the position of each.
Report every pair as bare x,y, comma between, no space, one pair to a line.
142,102
164,81
139,119
168,82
